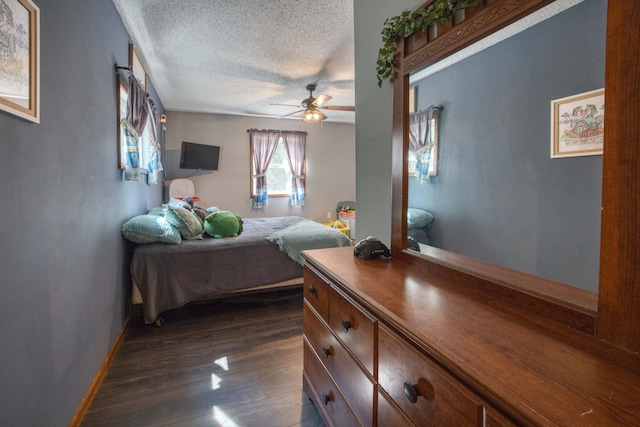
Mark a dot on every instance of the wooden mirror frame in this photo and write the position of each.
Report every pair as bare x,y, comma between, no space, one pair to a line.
614,313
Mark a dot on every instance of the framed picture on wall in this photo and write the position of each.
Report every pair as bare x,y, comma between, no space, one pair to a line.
577,125
20,59
137,67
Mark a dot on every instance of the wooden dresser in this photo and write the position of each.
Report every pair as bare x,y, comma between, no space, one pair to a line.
387,344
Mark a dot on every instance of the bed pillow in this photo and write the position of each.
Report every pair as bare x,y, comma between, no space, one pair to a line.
150,229
174,202
305,235
188,223
418,218
157,211
223,224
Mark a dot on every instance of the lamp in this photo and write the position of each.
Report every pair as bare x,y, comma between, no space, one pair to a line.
312,115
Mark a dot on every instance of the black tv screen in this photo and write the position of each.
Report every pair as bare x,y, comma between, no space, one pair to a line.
199,156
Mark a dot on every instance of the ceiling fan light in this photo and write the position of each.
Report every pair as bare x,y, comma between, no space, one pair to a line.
311,115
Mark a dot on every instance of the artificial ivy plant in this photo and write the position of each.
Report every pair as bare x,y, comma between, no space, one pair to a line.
412,22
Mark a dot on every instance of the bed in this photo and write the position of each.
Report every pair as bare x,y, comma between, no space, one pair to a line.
264,256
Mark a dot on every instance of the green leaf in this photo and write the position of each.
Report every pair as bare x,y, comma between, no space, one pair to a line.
409,22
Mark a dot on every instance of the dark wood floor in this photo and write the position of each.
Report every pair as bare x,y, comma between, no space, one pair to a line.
225,363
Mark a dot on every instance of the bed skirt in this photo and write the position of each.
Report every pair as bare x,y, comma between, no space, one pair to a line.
136,296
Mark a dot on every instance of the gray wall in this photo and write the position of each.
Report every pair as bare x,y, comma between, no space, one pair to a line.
373,119
498,195
330,159
64,265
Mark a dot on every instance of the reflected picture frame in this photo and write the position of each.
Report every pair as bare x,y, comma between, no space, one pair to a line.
20,61
577,125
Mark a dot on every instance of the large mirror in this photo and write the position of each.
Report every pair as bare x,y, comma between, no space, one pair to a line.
600,248
498,196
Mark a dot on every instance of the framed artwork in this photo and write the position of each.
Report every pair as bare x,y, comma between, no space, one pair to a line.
123,97
20,59
137,67
412,100
577,125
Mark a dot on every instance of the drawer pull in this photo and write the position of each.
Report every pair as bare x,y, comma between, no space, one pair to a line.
326,351
312,290
411,392
424,388
346,325
326,398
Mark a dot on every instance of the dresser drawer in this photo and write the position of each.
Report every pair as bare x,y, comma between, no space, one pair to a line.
352,381
425,393
493,418
316,291
389,415
354,327
325,394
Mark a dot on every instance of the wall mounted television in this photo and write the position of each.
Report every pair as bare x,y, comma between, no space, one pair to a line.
199,156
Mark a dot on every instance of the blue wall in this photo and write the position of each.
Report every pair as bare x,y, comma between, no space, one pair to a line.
498,195
64,277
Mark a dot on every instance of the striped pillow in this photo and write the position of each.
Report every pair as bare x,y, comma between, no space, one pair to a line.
188,223
150,229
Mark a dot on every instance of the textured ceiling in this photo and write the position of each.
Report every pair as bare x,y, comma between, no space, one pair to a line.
239,56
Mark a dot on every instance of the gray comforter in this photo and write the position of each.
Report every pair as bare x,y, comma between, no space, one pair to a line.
170,276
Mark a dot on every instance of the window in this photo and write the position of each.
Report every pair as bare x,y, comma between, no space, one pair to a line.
433,156
143,146
278,173
144,143
278,164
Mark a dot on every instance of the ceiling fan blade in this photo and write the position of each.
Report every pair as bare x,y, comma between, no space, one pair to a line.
290,114
288,105
321,99
339,107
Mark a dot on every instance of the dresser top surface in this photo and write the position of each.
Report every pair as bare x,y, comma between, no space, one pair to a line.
537,369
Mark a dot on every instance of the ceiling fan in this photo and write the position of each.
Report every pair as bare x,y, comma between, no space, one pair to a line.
311,107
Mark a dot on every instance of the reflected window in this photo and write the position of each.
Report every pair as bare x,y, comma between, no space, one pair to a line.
423,144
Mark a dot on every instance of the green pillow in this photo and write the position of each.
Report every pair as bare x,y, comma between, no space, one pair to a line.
223,224
150,229
187,222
